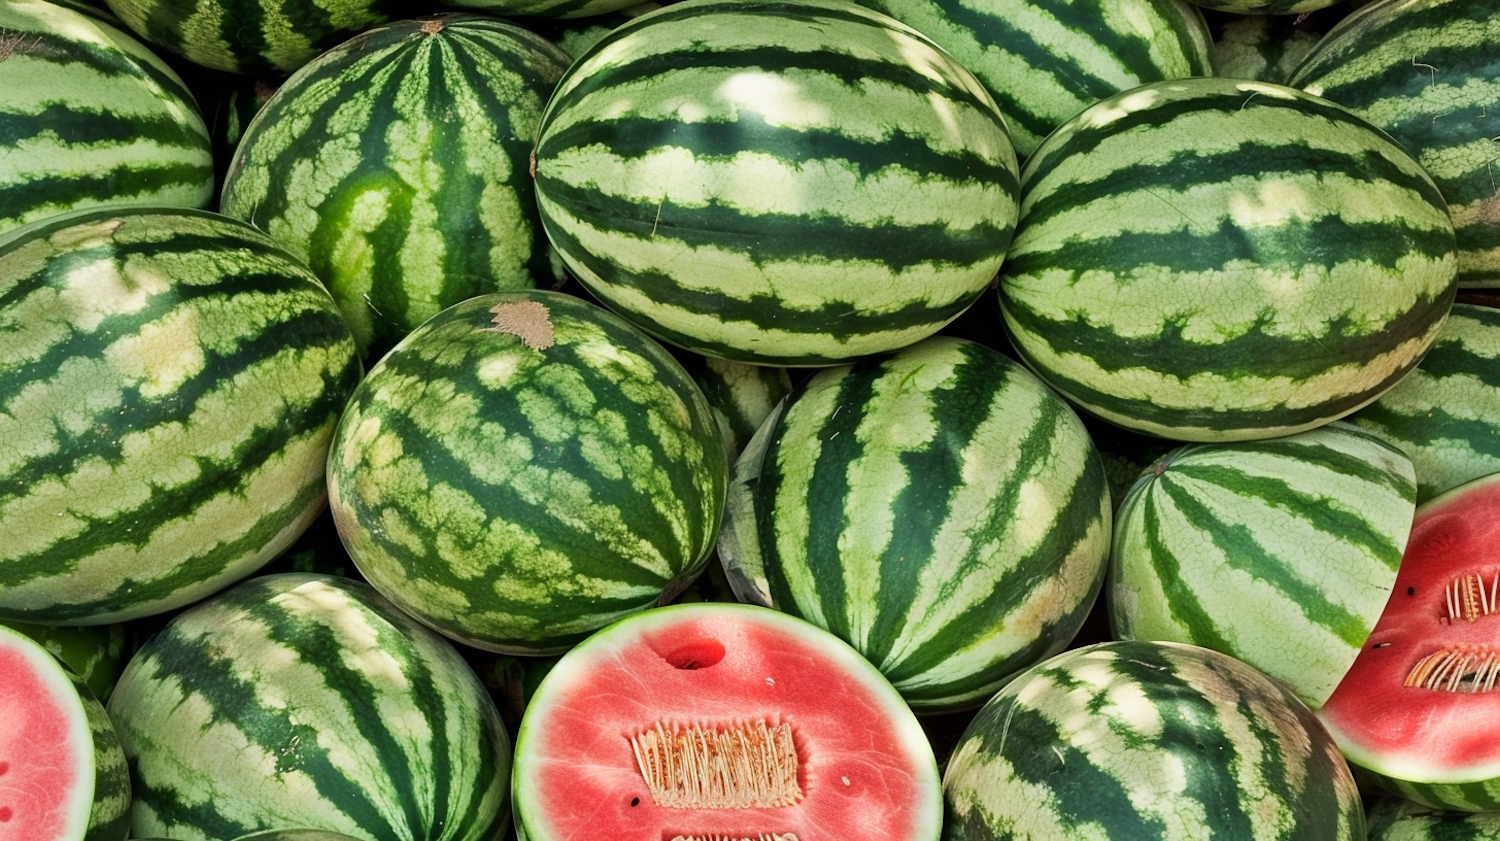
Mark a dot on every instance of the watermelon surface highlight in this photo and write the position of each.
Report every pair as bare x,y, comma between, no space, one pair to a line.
604,737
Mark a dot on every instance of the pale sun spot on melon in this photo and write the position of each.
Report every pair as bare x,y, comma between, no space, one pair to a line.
776,98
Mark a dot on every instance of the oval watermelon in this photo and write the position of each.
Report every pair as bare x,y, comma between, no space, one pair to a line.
721,721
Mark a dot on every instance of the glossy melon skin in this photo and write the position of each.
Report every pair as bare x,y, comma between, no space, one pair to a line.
864,766
1417,711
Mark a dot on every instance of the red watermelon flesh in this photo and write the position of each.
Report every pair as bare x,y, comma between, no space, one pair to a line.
1422,701
46,747
723,722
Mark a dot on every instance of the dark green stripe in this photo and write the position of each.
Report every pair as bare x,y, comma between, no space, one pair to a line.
61,124
1260,350
855,72
1166,569
1244,550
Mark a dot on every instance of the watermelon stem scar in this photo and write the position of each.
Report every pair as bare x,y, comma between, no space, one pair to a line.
745,766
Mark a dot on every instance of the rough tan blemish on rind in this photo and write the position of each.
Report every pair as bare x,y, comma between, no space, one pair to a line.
527,320
432,26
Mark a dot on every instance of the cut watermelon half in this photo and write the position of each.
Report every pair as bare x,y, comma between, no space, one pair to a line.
722,722
1419,710
62,772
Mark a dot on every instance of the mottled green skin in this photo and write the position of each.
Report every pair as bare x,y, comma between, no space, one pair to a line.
517,487
1234,546
309,701
1446,414
938,508
1398,819
254,37
169,384
1146,741
396,166
1218,259
91,117
742,396
1427,72
97,653
1046,60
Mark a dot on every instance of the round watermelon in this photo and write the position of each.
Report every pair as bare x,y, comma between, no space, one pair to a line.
523,469
1218,259
721,721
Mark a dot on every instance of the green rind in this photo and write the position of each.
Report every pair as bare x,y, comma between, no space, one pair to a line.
938,508
97,653
1281,553
396,165
309,701
518,497
91,117
1399,819
1445,415
742,396
1264,48
1145,740
776,182
171,380
569,9
253,37
1215,259
1046,60
1427,72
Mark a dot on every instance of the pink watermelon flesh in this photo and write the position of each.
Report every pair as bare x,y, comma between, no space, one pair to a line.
1422,700
46,748
702,677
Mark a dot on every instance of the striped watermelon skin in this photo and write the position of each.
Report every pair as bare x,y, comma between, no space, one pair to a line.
1446,414
1281,553
1428,72
339,166
171,380
742,396
1046,60
938,508
1215,259
566,9
525,468
303,700
1267,48
774,182
1399,819
252,37
1145,740
91,117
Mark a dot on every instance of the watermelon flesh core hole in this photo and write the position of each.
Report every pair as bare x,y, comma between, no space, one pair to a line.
696,654
748,766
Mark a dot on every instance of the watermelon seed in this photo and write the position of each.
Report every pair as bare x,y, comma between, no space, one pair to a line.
746,766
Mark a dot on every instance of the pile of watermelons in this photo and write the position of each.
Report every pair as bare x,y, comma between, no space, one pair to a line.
749,420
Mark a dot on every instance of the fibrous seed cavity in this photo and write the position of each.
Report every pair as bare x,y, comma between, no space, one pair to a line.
1467,668
743,766
773,836
1470,599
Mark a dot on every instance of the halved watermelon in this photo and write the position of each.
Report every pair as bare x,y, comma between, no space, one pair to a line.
62,773
1420,708
721,721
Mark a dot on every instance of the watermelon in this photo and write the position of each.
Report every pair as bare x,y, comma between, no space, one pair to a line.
1133,740
721,721
62,772
1216,259
1399,819
96,653
1046,60
395,165
1267,48
938,508
1279,552
1427,72
1417,711
566,9
253,37
170,380
1445,415
91,117
525,468
296,835
776,182
741,395
309,701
